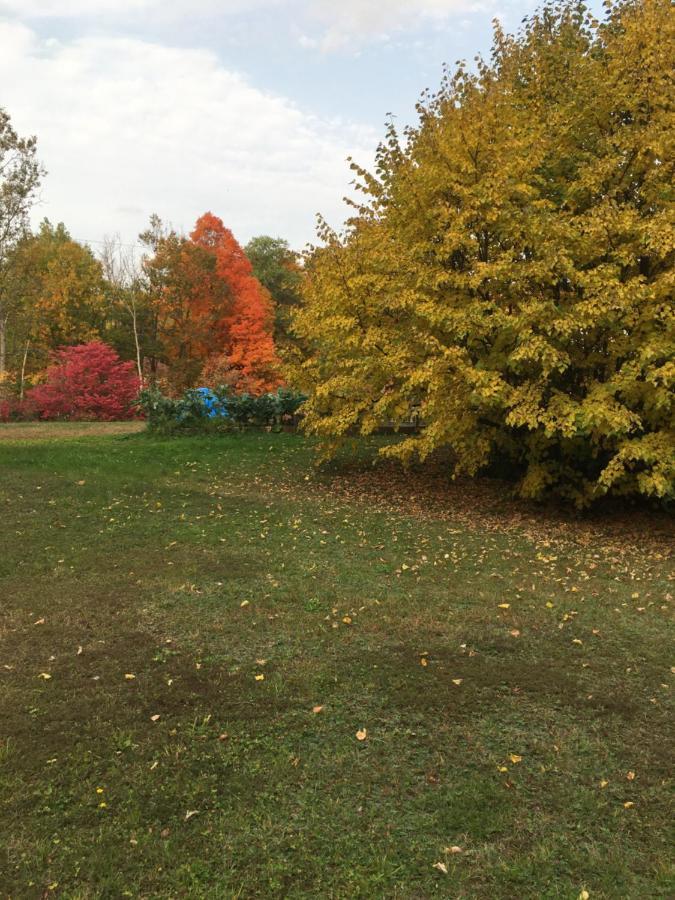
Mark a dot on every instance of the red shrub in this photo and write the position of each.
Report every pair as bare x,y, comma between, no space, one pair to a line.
87,381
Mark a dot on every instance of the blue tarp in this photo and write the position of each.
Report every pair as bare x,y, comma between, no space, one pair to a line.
214,406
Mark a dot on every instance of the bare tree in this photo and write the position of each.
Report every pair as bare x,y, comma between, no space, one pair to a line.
123,274
20,176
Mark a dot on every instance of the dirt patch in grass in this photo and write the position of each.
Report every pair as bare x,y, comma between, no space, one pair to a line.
483,503
59,431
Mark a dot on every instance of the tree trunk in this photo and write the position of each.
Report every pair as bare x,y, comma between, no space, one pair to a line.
3,344
23,370
139,365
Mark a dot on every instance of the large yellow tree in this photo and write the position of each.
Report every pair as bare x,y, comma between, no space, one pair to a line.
510,271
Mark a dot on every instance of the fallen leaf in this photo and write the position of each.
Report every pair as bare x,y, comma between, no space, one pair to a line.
347,620
129,676
317,709
515,758
244,603
223,737
514,632
441,867
424,662
39,622
361,734
630,776
629,804
504,605
45,675
453,849
603,783
190,813
584,895
260,677
457,681
154,718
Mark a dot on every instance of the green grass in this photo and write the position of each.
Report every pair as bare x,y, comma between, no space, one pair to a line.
196,565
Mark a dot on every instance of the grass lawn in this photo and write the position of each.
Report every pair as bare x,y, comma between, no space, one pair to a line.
193,631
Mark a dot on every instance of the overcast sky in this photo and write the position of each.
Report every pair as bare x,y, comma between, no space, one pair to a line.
247,108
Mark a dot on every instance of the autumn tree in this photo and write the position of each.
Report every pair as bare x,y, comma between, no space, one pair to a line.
189,302
510,271
20,176
55,290
127,308
278,269
247,357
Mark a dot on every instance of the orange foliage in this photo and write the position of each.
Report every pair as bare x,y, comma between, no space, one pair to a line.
247,359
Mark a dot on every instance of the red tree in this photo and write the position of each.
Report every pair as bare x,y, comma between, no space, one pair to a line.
248,358
87,381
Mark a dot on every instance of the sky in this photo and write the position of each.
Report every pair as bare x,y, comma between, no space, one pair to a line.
246,108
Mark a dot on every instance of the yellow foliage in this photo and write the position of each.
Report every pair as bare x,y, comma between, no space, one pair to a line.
509,275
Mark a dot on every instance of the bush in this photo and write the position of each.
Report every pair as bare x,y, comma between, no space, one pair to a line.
15,410
87,381
202,409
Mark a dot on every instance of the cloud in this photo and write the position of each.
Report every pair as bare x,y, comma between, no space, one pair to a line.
348,21
122,9
126,127
326,24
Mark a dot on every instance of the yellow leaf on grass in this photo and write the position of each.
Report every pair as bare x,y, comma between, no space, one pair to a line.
630,776
361,734
504,605
424,662
317,709
260,677
457,681
45,675
515,758
129,676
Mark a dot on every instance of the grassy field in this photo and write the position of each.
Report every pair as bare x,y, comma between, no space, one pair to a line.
223,674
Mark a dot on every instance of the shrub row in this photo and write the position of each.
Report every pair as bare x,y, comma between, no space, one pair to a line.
218,409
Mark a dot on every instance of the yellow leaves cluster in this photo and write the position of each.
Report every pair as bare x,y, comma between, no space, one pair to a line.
500,280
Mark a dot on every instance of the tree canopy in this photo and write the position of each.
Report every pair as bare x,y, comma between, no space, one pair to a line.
509,273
